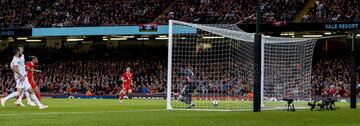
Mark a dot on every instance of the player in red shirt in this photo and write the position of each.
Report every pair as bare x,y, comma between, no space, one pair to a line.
127,82
30,67
29,73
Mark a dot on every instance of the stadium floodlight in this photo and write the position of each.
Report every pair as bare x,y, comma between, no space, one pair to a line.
33,40
129,36
312,36
222,68
327,33
213,37
118,39
161,38
287,34
22,38
142,38
74,39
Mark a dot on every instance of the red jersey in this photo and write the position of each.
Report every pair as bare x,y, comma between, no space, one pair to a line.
127,78
29,72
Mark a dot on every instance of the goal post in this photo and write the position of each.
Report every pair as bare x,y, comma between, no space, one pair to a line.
169,66
211,67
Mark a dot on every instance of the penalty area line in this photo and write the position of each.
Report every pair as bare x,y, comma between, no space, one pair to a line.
84,112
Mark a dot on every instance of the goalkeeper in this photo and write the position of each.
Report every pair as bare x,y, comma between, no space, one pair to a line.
186,93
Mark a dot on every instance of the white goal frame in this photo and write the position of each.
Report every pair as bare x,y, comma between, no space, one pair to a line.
268,39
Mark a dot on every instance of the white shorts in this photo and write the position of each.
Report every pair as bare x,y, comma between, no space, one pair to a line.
22,84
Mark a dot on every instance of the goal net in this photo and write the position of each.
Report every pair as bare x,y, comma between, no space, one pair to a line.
211,67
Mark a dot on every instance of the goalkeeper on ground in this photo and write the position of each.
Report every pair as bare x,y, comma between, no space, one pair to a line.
186,93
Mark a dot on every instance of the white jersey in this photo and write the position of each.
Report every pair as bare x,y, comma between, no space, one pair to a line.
20,62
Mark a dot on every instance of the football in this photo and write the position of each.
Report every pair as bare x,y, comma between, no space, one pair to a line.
215,103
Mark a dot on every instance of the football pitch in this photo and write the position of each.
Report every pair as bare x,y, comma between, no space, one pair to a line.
108,112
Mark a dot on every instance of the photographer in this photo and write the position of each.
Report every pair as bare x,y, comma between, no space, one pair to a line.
325,103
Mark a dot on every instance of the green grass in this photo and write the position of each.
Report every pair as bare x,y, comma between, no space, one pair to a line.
89,112
236,105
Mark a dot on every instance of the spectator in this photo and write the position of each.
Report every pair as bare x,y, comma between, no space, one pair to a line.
98,71
231,11
67,71
59,13
333,10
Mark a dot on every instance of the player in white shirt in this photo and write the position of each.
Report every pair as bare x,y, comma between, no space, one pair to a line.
20,75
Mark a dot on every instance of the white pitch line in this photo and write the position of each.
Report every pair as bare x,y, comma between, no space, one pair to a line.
85,112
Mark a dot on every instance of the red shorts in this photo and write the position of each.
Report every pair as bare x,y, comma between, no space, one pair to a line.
126,87
32,84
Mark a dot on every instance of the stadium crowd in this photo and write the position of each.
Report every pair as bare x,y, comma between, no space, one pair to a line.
331,74
97,72
333,10
77,73
61,13
232,11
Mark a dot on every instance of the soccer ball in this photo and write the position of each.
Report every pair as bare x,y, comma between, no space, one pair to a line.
215,103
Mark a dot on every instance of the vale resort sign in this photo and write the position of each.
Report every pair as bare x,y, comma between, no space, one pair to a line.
342,26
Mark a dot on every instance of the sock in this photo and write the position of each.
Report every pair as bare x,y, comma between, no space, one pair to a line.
20,97
188,101
12,95
27,95
33,96
122,96
38,95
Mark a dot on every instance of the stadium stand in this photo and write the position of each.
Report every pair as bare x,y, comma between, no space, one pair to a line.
97,71
66,71
232,11
58,13
150,72
333,10
62,13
